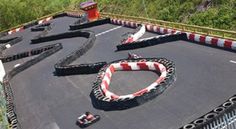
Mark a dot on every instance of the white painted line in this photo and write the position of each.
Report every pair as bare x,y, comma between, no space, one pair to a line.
231,61
108,31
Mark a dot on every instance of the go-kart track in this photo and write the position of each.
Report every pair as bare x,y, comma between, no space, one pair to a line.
205,78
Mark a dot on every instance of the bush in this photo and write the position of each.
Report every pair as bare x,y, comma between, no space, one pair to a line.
221,14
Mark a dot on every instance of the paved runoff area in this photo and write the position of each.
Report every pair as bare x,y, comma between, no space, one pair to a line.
205,79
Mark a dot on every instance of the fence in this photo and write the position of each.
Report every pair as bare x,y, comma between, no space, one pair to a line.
178,26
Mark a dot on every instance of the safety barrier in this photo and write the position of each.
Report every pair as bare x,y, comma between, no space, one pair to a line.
176,26
222,117
60,36
63,67
165,24
44,52
9,43
200,39
3,41
41,20
6,77
42,27
90,24
135,36
151,41
107,100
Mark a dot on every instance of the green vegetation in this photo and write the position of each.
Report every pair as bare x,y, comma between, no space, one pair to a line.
15,12
220,14
3,118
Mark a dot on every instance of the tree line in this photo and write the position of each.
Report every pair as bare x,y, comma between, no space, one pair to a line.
218,14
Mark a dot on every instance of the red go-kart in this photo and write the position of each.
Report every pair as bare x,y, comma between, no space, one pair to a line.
87,119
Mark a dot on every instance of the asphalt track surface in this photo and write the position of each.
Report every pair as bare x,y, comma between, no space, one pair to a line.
205,79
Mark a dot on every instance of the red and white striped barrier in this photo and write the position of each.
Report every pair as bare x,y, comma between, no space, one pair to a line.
22,28
15,30
136,36
219,42
124,23
45,20
202,39
150,28
131,66
157,29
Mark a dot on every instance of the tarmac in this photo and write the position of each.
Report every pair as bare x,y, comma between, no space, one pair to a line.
205,79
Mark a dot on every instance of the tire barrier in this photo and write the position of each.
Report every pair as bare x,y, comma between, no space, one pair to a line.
42,27
28,25
90,24
21,55
149,28
9,42
3,41
63,67
214,118
107,100
212,41
74,15
45,20
192,37
189,126
124,23
152,41
71,34
135,36
44,52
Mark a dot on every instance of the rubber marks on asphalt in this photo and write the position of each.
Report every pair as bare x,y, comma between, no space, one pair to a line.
108,31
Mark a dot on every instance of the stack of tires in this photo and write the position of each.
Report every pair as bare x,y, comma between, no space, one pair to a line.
151,41
115,102
213,115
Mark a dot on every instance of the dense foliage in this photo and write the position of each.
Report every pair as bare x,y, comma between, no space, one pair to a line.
15,12
220,14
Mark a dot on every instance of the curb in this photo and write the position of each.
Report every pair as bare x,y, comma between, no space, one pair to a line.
193,37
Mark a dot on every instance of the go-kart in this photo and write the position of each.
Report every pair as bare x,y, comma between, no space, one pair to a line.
133,56
87,119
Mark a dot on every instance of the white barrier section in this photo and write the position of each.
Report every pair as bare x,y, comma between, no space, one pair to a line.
139,34
2,71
